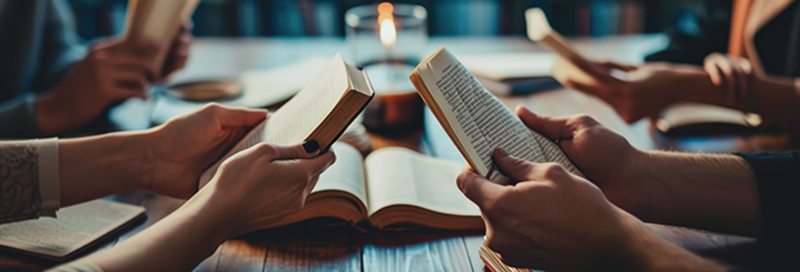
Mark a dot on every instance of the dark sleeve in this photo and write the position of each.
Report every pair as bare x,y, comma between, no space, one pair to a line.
779,196
61,46
696,35
17,117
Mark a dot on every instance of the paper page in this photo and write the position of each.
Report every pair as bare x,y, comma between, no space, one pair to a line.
158,21
480,121
75,227
293,122
399,176
503,66
553,153
346,174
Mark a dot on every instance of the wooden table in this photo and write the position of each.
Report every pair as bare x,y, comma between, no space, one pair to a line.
310,246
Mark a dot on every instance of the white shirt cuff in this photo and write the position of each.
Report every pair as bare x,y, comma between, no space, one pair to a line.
49,182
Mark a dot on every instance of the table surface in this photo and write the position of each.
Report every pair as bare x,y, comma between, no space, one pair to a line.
311,246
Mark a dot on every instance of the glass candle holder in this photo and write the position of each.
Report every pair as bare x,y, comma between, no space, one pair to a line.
387,40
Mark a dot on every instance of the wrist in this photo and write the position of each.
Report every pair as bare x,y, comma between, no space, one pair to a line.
151,155
222,217
702,90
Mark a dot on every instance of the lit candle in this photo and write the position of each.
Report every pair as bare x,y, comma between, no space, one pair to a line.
387,30
388,35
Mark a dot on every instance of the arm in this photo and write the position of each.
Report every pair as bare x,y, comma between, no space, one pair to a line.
707,191
714,192
187,236
541,222
167,159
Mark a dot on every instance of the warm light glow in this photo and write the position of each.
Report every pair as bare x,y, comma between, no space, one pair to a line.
387,30
385,8
388,33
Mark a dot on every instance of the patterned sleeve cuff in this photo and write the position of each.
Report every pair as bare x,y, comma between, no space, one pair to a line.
49,182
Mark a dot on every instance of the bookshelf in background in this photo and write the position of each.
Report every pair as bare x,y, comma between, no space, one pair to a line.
247,18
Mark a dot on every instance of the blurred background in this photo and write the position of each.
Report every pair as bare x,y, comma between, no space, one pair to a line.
248,18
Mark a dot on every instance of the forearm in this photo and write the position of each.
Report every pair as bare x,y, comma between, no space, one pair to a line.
715,192
93,167
176,243
656,255
773,98
644,250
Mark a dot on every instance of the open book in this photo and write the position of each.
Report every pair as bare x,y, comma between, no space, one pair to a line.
158,20
392,187
476,121
321,111
691,119
75,228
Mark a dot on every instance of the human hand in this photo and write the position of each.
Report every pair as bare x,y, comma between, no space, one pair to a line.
179,51
733,74
605,157
113,71
556,221
639,92
551,219
266,183
185,146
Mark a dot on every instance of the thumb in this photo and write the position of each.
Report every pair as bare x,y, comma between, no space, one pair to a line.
307,150
477,188
515,168
235,117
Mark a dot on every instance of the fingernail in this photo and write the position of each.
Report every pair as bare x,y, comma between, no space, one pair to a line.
311,146
501,152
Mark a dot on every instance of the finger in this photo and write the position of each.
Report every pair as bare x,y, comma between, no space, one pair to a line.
129,63
315,166
234,117
305,150
515,168
713,73
138,46
618,66
130,80
727,76
746,66
187,26
550,127
477,188
569,73
558,128
600,90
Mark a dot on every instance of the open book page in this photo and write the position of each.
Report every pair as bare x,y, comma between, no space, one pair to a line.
398,176
340,191
346,174
480,121
75,227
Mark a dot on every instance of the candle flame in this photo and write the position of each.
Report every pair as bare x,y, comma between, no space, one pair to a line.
387,30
